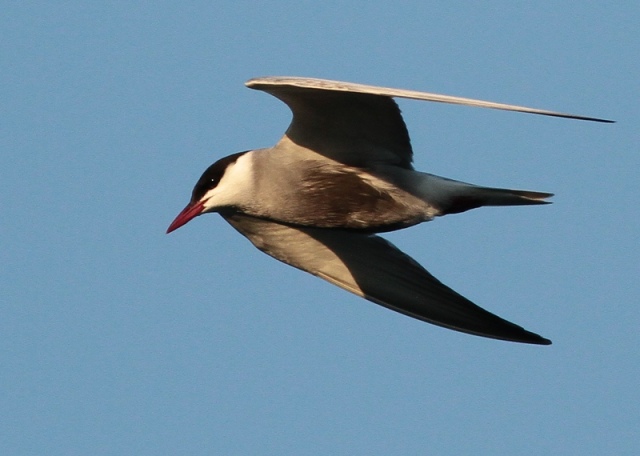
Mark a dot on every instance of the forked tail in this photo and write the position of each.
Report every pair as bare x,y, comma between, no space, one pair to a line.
453,196
485,196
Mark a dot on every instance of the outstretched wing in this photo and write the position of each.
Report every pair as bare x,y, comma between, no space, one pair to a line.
360,124
353,127
371,267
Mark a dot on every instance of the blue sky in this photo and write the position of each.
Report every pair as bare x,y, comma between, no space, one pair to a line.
118,339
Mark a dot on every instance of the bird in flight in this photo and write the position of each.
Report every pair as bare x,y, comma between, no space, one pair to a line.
340,175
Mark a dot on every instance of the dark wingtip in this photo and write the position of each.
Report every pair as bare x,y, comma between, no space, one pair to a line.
576,117
541,341
594,119
521,335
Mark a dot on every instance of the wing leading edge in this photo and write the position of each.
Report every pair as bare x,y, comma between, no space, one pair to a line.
373,268
276,83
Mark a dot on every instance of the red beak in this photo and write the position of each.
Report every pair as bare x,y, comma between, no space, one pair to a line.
191,211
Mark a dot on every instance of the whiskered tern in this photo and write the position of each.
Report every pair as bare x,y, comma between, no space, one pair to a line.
342,173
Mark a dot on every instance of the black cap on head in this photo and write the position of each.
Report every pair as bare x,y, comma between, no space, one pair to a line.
212,175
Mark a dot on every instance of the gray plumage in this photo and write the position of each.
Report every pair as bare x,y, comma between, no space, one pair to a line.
341,173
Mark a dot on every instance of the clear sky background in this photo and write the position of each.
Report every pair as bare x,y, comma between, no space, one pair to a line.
117,339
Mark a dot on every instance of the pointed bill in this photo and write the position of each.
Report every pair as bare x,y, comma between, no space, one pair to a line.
188,213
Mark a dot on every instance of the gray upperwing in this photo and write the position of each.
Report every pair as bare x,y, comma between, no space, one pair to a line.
276,84
371,267
351,127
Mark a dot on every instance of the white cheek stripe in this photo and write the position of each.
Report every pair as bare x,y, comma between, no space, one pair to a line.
235,186
242,169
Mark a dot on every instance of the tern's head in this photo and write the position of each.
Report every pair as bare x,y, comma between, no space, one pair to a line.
216,189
